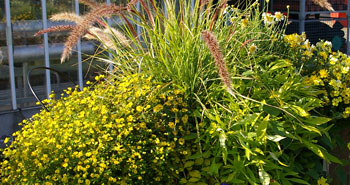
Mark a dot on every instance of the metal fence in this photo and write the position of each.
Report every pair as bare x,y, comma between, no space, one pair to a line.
20,51
317,22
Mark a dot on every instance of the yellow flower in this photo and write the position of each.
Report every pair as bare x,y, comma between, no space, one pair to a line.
139,109
322,181
345,69
65,165
181,141
324,55
323,73
158,108
130,118
171,125
6,140
252,48
245,23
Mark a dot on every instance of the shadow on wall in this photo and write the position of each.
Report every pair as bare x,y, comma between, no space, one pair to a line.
316,31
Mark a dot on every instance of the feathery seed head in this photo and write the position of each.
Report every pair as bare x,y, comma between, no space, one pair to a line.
324,4
214,48
55,29
67,16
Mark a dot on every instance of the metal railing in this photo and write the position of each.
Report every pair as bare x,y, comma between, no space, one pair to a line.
303,11
12,55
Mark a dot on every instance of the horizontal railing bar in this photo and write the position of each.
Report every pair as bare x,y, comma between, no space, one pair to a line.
58,89
36,52
36,25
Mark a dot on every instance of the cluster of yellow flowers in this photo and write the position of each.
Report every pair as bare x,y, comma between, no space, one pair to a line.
327,69
116,132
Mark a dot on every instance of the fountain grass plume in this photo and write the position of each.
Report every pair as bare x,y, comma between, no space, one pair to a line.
84,23
67,16
215,50
55,29
324,4
89,19
89,3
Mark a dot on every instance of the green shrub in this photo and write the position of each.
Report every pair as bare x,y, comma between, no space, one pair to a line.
113,134
326,69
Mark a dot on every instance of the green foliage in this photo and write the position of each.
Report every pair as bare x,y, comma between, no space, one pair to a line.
327,70
263,144
181,126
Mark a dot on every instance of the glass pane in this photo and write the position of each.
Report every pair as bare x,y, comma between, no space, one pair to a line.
29,52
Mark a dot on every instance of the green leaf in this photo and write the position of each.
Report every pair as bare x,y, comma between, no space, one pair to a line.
195,156
317,120
310,128
341,175
230,177
274,156
190,136
321,152
195,173
298,181
275,183
280,64
271,110
286,182
248,73
275,138
264,176
206,154
189,164
249,120
261,130
193,179
300,111
183,181
224,155
214,169
210,116
236,181
247,150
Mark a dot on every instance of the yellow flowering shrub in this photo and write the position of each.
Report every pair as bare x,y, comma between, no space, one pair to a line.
115,132
326,69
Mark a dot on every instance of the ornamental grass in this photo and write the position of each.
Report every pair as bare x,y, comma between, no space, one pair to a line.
200,94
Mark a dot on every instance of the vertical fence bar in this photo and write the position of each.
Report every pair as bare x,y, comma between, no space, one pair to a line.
271,6
80,65
165,9
138,28
46,48
347,27
302,16
10,54
109,54
193,3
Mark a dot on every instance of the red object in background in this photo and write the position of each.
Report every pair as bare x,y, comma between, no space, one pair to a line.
341,15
